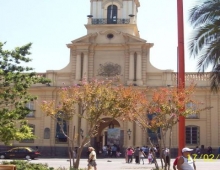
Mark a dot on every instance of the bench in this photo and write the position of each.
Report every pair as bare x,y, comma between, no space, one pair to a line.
7,167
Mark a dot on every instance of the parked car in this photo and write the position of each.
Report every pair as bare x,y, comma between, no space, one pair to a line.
20,152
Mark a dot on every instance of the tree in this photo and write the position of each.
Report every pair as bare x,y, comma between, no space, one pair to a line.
95,100
163,111
14,83
205,41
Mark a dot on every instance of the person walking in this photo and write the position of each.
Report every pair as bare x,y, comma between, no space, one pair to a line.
130,154
136,155
150,157
175,163
186,162
141,156
92,159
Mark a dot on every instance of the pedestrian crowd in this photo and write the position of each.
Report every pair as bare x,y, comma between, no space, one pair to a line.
111,151
185,161
139,153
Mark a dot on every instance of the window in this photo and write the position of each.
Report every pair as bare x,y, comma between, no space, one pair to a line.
112,11
151,134
192,135
61,125
47,133
192,106
30,105
30,140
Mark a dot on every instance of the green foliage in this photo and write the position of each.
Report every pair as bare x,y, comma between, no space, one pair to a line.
25,165
15,80
204,43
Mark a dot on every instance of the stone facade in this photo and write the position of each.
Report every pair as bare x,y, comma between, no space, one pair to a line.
113,47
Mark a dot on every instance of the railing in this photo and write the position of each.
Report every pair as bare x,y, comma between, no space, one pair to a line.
96,21
40,75
194,76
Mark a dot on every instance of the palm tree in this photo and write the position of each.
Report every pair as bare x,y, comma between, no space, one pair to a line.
205,41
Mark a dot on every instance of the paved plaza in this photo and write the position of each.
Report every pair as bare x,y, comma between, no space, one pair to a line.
119,164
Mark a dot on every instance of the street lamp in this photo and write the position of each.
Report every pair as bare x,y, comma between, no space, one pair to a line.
111,126
181,70
129,133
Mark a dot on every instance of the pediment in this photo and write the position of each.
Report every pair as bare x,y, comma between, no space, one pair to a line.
85,39
133,39
98,38
112,31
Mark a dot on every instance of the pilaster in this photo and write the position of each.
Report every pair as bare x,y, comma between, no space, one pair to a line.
208,123
78,66
85,66
139,68
91,65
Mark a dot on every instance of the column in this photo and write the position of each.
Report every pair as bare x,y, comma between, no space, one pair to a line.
85,66
131,67
78,66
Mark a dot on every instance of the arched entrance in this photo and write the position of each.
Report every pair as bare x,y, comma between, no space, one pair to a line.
109,134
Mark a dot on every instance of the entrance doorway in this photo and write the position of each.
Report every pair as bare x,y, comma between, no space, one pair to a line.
109,134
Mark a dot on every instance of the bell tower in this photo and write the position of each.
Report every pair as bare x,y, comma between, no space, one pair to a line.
112,46
120,14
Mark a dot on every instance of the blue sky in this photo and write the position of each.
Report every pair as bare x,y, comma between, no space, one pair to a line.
51,24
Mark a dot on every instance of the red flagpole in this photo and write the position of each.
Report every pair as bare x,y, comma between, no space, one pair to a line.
181,70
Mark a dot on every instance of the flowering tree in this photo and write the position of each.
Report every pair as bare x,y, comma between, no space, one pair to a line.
163,111
95,99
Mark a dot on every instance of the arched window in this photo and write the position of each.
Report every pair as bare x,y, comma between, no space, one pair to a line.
192,135
112,14
47,133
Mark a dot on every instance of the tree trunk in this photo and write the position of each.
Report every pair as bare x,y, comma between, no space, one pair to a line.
79,152
154,156
160,148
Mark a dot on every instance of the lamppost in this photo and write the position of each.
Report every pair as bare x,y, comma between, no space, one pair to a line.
181,69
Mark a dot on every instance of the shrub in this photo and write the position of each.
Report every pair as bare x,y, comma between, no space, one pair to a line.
25,165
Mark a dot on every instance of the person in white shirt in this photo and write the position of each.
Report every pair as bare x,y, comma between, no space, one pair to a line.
92,159
186,162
